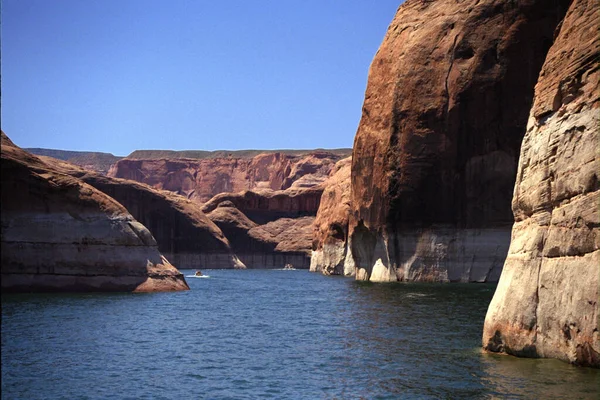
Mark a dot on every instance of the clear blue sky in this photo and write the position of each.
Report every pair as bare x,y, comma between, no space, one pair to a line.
121,75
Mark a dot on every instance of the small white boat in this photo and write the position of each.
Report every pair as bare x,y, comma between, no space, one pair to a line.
288,267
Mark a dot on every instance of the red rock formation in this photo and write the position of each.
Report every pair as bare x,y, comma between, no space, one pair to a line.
202,179
435,154
267,229
330,249
265,205
546,303
183,232
60,234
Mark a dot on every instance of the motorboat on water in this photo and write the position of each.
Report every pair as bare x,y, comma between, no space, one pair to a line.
288,267
198,273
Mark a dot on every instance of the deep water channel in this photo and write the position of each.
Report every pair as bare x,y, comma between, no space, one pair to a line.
259,334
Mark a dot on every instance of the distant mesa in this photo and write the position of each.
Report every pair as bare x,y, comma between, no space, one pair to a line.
203,178
94,161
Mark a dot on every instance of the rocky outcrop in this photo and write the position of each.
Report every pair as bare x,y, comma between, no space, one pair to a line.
60,234
331,253
435,154
267,229
265,205
201,179
546,303
185,235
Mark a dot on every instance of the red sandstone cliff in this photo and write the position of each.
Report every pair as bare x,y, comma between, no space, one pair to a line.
60,234
330,249
435,154
546,302
202,179
267,229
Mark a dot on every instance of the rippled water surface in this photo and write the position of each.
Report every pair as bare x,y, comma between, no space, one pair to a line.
269,334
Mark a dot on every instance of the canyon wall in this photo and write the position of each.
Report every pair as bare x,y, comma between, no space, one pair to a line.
202,179
331,253
435,154
60,234
183,232
546,303
267,229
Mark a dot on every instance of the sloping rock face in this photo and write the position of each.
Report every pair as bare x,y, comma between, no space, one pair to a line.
93,161
185,235
60,234
435,154
200,180
267,229
546,303
331,253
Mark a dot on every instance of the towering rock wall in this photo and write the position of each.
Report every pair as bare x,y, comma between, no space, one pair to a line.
60,234
202,179
546,303
331,253
435,154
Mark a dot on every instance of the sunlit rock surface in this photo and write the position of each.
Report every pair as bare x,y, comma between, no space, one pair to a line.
435,155
202,179
331,250
546,303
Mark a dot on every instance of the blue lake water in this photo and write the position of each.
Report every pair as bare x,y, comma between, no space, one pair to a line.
259,334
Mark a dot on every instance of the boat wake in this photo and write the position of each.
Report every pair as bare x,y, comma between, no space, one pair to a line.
195,276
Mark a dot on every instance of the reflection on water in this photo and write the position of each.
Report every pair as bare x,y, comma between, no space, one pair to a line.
270,334
539,378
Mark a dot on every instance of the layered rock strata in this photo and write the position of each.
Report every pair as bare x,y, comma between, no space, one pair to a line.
267,229
435,154
185,235
331,253
60,234
546,303
202,179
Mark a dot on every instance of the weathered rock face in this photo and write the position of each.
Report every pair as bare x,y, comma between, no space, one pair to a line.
183,232
546,303
202,179
60,234
331,253
435,154
267,229
263,206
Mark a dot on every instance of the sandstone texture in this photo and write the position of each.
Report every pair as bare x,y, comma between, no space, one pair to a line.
546,302
331,253
185,235
61,234
202,179
267,229
436,151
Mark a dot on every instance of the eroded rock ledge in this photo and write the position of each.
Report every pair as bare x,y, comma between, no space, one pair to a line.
546,303
60,234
